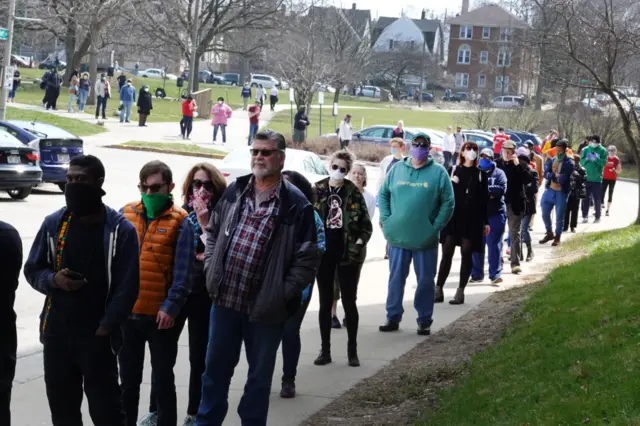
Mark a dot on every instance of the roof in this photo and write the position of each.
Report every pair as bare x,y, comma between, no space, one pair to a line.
425,25
490,15
357,17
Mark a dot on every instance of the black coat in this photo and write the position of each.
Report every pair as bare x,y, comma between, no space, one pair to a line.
10,265
531,191
517,178
145,105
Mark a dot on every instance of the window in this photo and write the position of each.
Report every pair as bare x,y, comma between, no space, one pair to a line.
502,81
482,80
464,54
506,34
462,80
504,58
375,132
486,33
391,44
484,57
466,31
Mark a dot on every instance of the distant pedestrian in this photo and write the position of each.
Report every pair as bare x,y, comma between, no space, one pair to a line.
122,80
246,95
300,124
594,160
498,141
449,148
136,68
459,138
52,89
73,93
273,98
260,94
398,131
577,192
15,85
145,105
10,265
84,88
189,107
557,171
345,132
127,98
254,121
103,93
221,112
610,175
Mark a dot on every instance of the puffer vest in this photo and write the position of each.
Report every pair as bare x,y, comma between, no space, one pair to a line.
157,241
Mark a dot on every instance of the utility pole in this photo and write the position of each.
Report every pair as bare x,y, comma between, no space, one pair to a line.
6,60
193,73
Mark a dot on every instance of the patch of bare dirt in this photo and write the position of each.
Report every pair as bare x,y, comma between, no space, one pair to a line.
408,386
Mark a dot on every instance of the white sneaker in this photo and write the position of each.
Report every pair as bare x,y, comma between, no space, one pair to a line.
189,421
151,419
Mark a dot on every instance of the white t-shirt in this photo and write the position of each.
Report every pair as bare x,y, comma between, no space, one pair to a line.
274,91
345,131
370,200
449,143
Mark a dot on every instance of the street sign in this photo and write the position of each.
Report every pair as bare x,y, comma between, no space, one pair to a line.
4,34
320,98
335,109
291,95
8,77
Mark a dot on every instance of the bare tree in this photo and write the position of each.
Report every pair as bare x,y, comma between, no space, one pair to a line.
480,114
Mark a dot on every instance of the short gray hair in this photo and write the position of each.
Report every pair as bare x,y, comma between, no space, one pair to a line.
271,135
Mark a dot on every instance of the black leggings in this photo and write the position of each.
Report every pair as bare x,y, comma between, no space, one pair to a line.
348,277
611,184
448,249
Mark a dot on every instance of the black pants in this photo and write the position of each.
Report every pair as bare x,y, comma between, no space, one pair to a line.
348,277
197,310
344,143
73,363
8,348
571,213
273,100
448,250
163,346
51,97
291,345
142,119
611,185
101,104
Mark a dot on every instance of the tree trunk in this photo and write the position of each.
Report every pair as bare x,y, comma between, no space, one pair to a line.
196,81
93,64
70,49
336,96
541,80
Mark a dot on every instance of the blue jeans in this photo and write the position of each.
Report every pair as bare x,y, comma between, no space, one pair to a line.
424,265
83,94
223,128
72,100
125,114
228,330
594,189
493,242
12,92
253,129
551,199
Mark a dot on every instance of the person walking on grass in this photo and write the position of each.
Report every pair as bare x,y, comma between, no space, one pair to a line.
273,98
300,124
167,260
610,175
557,171
593,159
127,98
260,95
84,259
254,121
291,345
73,93
246,96
189,107
260,255
52,89
221,112
345,132
497,216
103,93
577,192
145,105
84,88
15,85
469,223
416,202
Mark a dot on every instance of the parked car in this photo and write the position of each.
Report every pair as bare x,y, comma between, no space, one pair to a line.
231,79
203,76
267,81
20,61
481,138
369,91
54,146
508,102
19,169
50,63
520,137
426,97
119,70
157,73
381,134
238,163
452,98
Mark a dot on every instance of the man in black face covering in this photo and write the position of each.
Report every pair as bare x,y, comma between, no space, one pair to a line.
85,261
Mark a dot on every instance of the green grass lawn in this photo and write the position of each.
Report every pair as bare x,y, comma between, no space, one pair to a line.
177,147
77,127
629,171
572,356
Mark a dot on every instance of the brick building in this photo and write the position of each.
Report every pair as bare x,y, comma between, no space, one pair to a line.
487,53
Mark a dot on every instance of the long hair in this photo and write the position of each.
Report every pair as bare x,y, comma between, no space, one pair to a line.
461,157
218,180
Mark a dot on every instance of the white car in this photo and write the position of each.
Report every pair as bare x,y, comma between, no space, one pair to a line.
267,81
238,163
509,102
157,73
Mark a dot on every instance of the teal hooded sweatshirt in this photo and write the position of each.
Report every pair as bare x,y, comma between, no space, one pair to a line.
594,160
415,204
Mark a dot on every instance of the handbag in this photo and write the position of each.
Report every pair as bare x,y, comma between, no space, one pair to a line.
121,106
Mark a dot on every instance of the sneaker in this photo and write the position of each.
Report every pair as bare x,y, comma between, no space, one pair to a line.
585,220
497,281
189,420
573,230
424,330
597,220
476,280
389,326
335,322
151,419
606,213
288,390
324,358
516,270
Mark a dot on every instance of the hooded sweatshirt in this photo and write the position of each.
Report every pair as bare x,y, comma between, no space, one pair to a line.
497,184
594,160
415,204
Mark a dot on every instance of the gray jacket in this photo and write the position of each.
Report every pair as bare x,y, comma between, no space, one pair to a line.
290,255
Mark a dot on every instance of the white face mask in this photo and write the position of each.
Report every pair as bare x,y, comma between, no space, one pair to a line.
337,175
219,102
146,89
594,144
470,155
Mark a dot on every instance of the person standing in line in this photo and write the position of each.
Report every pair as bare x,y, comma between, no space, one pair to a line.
300,124
610,175
497,216
127,98
498,142
260,255
167,260
531,194
577,192
254,121
246,95
273,98
145,105
518,177
103,93
291,345
469,223
201,191
594,160
557,171
10,265
459,137
416,202
84,260
398,132
15,84
397,154
539,167
583,144
84,88
189,107
221,112
73,93
260,94
348,229
345,132
359,177
449,148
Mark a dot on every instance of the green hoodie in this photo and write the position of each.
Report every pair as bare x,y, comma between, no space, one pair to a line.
415,204
594,168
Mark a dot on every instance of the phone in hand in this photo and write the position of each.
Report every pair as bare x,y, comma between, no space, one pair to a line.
75,275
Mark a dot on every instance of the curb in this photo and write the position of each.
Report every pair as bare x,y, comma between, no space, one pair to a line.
628,180
166,151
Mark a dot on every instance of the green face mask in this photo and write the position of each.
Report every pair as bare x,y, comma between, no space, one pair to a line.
155,204
561,156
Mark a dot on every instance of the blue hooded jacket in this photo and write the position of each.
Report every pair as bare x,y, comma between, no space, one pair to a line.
565,173
497,183
122,265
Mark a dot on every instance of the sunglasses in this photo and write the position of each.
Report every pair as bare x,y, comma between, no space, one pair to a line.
336,167
197,184
470,148
420,144
155,188
263,152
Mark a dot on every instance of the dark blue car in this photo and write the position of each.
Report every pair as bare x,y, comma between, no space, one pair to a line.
55,146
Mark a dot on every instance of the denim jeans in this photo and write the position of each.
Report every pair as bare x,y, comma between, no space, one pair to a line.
83,94
227,331
493,242
223,129
524,228
125,113
12,93
72,101
424,265
551,199
101,102
291,345
594,189
253,129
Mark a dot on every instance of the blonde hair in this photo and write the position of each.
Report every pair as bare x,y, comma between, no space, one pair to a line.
400,123
364,171
399,141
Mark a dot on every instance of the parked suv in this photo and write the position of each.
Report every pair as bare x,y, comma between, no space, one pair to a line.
508,102
267,81
230,78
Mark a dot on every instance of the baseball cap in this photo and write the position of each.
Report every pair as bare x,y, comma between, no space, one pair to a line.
488,152
563,142
424,136
509,144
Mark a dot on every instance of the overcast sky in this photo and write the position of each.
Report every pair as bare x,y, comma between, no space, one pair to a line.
412,8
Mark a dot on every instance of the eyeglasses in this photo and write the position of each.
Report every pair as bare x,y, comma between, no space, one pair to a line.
336,167
197,184
155,188
420,144
263,152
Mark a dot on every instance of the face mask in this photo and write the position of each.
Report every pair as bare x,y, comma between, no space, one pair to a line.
337,175
83,199
470,155
102,79
561,156
594,144
420,154
219,102
146,89
394,151
485,164
155,204
128,84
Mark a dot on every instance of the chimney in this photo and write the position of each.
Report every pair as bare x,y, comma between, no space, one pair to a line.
424,14
465,6
353,6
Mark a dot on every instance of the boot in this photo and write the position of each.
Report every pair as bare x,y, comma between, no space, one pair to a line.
556,242
352,355
547,237
458,299
324,357
439,297
529,252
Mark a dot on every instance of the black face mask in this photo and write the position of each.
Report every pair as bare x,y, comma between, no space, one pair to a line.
83,199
